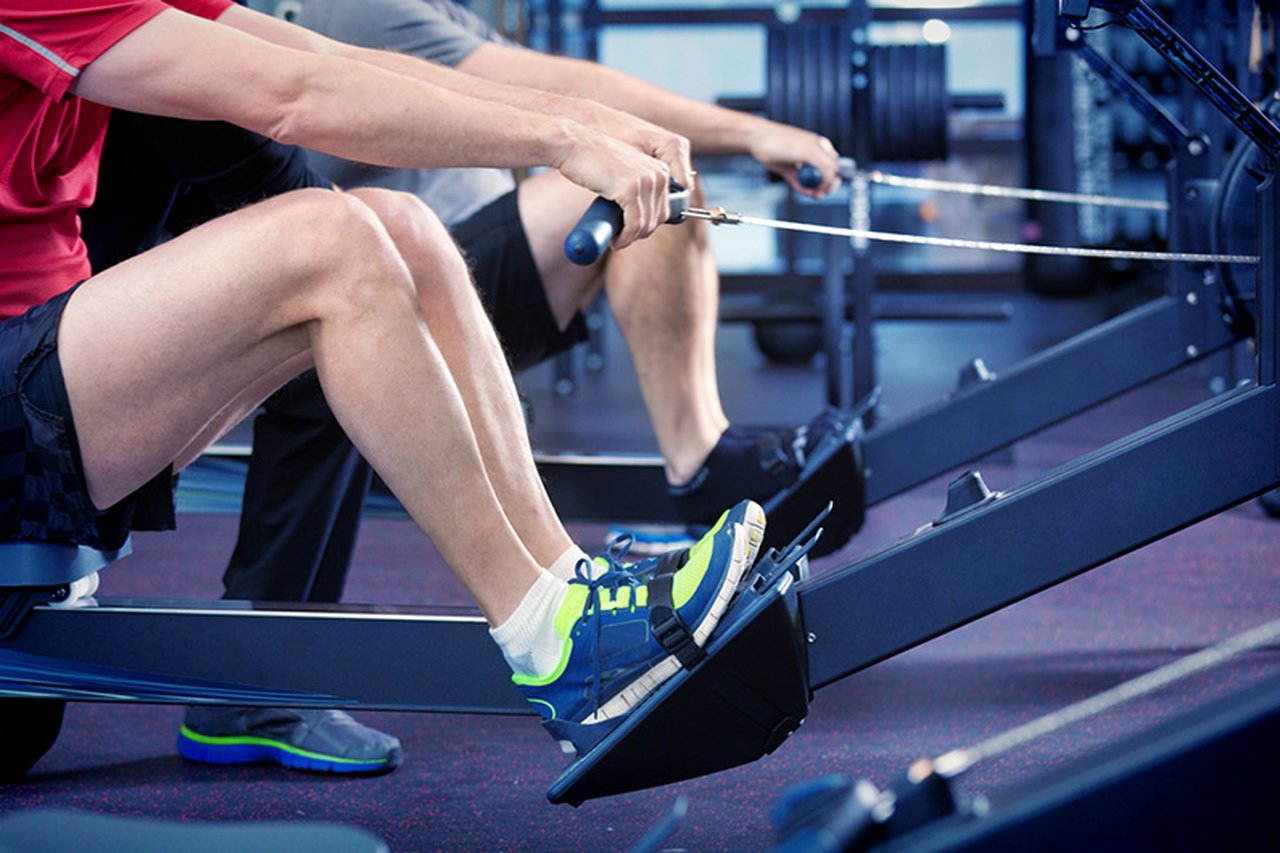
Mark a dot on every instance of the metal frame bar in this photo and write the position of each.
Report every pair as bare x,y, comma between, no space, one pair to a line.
1073,519
385,658
766,15
1064,380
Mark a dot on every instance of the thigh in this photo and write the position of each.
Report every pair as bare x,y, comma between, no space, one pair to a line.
159,350
512,286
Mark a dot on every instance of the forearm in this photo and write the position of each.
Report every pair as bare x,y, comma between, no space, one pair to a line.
510,92
580,113
414,123
709,128
340,106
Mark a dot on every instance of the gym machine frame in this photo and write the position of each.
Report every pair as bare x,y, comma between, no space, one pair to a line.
1193,319
985,552
778,644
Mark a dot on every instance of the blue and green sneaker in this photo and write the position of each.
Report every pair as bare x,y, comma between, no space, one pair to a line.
634,626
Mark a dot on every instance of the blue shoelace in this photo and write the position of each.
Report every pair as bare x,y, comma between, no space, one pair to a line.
614,578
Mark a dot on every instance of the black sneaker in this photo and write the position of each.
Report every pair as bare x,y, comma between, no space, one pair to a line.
793,472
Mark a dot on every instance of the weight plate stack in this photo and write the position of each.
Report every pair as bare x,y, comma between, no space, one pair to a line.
909,105
817,76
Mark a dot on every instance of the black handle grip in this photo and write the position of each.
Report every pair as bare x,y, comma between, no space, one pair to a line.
603,220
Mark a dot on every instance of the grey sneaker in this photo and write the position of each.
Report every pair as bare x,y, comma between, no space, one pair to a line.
325,741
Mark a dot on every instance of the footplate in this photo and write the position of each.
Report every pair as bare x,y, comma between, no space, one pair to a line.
832,475
737,704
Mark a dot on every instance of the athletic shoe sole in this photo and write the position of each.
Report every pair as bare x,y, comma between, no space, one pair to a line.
246,749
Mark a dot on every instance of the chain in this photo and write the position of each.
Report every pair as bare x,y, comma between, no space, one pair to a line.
720,216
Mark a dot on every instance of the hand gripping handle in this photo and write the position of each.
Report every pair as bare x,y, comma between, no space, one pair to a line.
603,220
810,177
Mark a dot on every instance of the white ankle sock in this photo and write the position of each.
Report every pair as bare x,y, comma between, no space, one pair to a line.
566,565
528,638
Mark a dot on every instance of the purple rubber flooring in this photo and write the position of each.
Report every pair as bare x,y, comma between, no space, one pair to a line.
478,783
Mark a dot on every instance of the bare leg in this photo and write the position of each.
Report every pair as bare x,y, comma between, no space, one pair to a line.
470,347
157,351
664,292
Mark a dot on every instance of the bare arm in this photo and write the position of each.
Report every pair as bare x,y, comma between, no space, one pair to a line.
664,144
182,66
711,129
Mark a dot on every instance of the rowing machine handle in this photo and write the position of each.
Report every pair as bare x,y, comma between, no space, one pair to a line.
603,220
808,176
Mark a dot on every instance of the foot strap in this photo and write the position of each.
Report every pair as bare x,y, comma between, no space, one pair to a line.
667,626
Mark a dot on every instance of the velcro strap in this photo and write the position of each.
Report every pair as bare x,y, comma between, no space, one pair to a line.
668,564
667,626
776,461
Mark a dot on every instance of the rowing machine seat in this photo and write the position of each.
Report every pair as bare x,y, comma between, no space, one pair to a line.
34,573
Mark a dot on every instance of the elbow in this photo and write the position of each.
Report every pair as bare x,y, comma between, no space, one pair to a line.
286,110
286,125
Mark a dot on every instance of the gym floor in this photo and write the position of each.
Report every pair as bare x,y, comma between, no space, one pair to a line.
478,783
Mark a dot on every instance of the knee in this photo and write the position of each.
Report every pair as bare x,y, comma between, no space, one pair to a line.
424,243
419,235
342,249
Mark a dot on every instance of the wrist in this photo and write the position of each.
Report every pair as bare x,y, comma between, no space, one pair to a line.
560,138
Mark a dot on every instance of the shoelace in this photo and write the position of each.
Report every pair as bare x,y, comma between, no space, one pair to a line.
617,548
614,578
646,569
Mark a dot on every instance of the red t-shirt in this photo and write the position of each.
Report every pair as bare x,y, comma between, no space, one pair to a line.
50,141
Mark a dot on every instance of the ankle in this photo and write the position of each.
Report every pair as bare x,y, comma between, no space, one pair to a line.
565,566
528,638
688,460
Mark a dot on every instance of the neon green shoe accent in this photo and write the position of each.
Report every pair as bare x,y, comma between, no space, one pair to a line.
621,599
686,581
570,609
550,707
543,681
249,740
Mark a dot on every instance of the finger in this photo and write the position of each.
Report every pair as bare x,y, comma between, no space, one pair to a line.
638,221
632,215
655,202
662,202
676,155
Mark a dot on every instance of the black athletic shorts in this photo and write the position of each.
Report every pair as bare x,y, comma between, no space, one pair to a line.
42,489
494,243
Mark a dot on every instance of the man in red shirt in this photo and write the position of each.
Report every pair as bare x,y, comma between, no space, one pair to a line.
107,386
